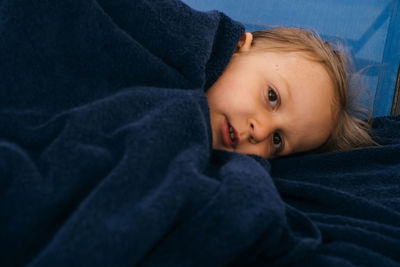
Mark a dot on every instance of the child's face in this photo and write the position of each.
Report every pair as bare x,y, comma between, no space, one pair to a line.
270,104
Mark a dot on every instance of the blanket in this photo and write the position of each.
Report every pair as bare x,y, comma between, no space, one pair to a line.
106,152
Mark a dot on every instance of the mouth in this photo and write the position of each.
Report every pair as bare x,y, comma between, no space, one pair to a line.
230,136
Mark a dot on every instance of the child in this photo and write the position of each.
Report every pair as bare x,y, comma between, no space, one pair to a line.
284,91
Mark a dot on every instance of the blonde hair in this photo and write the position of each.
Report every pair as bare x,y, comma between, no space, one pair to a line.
349,131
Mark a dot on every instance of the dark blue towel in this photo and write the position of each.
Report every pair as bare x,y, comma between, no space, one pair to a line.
106,159
352,198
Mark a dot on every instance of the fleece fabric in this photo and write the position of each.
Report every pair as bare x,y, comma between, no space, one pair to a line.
106,152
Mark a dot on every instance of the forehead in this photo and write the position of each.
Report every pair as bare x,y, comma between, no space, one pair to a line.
306,94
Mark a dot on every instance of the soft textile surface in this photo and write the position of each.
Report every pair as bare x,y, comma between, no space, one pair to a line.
106,159
352,198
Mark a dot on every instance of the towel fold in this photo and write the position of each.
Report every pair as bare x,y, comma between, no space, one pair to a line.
106,152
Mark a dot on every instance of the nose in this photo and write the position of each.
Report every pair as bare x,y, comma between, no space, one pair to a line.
261,128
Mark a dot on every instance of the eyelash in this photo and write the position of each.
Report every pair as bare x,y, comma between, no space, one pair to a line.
273,96
280,147
272,93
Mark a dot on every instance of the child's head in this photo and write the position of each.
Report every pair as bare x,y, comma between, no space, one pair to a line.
284,91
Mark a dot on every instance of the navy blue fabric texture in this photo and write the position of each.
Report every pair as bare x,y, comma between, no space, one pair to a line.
352,198
106,156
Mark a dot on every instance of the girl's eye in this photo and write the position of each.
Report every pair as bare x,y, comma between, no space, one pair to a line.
272,97
277,141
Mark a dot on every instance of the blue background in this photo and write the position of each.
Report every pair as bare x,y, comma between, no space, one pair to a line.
369,29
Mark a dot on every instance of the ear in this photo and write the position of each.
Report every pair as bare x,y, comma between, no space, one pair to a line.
244,43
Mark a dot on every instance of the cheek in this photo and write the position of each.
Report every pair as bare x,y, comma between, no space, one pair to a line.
229,94
221,89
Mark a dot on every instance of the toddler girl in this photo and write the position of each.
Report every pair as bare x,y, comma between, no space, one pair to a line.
284,91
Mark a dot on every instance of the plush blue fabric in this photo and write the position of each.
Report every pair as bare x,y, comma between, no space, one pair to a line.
106,159
352,198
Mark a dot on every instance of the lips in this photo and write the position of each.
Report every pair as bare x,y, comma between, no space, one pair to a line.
230,136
